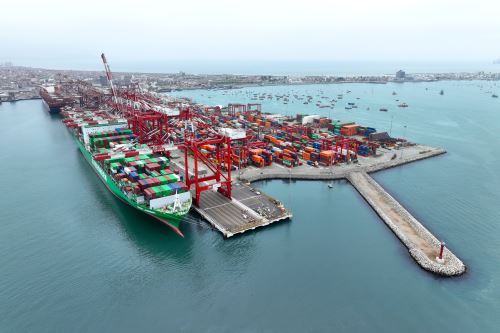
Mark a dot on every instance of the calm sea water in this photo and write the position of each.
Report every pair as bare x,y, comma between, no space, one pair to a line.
74,258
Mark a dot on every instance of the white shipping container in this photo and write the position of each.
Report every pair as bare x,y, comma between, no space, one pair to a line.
144,151
233,133
121,155
309,119
343,151
91,129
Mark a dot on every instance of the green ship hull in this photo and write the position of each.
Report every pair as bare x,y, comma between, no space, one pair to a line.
171,220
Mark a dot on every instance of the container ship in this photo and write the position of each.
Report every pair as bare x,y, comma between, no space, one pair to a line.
131,171
53,99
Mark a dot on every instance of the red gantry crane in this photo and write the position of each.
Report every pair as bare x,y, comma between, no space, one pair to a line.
151,121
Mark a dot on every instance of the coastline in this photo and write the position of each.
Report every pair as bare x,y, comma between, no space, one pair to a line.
253,85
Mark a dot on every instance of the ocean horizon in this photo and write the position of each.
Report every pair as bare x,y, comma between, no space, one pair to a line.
260,67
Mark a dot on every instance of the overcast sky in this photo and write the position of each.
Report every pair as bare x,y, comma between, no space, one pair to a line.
72,34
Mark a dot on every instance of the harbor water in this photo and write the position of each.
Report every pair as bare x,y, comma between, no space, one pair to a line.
74,258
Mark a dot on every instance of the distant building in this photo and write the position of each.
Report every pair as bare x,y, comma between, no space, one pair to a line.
103,80
127,79
400,75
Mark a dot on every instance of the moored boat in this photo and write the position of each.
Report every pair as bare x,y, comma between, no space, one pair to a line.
53,99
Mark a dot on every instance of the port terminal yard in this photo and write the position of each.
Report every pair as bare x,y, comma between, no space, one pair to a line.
384,161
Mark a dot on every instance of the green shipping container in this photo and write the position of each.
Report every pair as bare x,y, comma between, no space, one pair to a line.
129,159
115,165
116,159
162,190
172,177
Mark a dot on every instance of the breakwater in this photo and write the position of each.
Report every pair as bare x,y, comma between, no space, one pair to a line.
423,246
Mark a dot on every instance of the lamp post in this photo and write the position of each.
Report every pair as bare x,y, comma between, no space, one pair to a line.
440,258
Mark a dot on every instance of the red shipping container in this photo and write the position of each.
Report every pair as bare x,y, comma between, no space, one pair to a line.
101,157
153,167
131,153
150,193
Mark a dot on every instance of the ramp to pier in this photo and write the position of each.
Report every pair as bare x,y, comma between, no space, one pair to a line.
422,245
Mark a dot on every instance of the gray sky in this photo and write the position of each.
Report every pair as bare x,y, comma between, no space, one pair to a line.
72,33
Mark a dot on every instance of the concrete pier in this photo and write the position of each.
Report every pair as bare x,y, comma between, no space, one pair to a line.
423,246
247,210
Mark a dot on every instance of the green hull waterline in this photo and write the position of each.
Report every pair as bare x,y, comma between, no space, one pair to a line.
171,220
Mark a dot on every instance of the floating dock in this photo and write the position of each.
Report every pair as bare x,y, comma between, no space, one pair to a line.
248,209
423,246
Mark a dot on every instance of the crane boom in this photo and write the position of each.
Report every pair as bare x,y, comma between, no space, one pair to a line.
110,80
